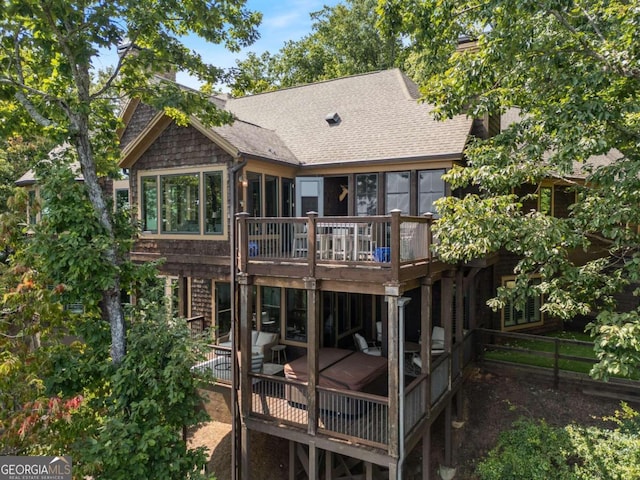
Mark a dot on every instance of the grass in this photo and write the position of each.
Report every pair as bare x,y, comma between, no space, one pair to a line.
527,352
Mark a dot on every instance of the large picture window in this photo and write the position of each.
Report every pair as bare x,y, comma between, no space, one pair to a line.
180,203
525,316
398,192
183,203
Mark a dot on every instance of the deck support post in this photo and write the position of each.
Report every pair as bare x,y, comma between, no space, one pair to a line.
446,316
328,465
313,461
426,454
368,471
425,331
243,357
393,349
292,460
313,342
448,442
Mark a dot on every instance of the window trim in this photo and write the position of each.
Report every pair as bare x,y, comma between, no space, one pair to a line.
201,172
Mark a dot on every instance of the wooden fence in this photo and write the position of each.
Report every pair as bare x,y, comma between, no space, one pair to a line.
497,341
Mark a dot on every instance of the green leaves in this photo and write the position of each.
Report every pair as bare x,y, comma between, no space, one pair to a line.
345,40
565,79
536,450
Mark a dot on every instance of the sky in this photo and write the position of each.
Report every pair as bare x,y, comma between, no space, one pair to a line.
282,20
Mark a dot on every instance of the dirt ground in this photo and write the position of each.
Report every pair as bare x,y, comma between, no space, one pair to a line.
492,402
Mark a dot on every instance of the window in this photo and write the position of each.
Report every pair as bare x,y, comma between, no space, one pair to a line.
555,200
270,309
430,188
254,194
288,196
180,203
398,192
122,198
545,200
223,308
150,204
296,304
214,201
529,315
271,196
173,293
176,200
366,195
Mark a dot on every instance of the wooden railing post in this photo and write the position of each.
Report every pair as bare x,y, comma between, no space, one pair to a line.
429,217
395,245
311,242
243,241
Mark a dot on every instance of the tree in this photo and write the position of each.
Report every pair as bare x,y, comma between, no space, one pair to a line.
46,54
17,155
67,396
572,70
344,41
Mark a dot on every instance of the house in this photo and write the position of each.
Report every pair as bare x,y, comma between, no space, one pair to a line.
312,214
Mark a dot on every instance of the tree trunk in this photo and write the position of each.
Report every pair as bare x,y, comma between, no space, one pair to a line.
112,309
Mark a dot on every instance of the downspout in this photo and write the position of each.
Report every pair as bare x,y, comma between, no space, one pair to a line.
233,170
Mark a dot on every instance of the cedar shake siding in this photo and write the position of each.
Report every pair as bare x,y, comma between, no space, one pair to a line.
140,119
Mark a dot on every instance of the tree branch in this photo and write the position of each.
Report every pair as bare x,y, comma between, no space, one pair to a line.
115,73
590,51
33,111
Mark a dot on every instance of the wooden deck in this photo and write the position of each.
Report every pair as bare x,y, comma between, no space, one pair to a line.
375,250
360,418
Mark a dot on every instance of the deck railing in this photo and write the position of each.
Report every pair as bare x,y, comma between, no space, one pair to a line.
389,241
357,417
216,366
196,326
415,402
350,415
279,399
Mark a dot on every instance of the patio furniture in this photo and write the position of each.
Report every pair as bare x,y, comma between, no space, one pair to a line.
337,369
261,341
365,347
279,350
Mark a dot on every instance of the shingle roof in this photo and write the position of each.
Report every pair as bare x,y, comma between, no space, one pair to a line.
253,140
29,178
380,119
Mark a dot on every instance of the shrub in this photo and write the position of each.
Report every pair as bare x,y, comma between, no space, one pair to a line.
535,450
531,450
